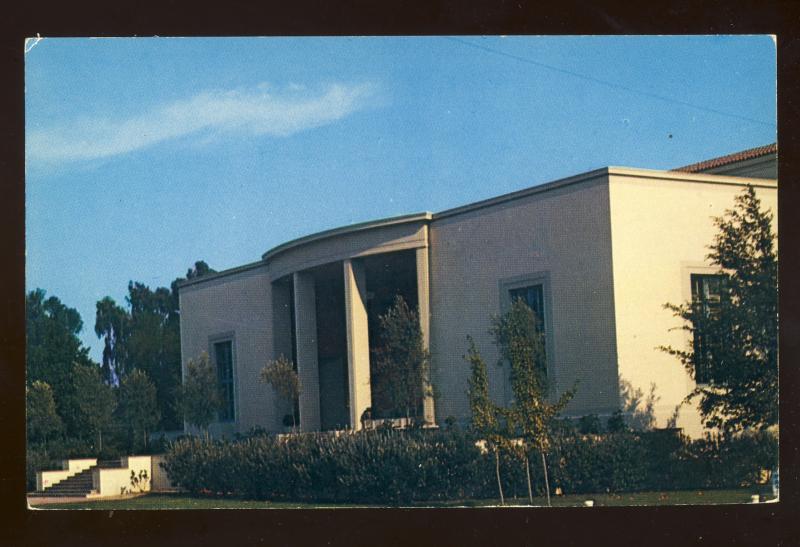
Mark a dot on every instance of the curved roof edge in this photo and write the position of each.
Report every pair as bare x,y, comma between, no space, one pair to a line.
342,230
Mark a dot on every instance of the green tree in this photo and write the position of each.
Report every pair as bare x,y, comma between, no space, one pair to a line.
153,345
198,397
199,270
52,343
52,348
145,335
282,376
521,346
739,339
94,401
401,377
138,404
112,324
41,417
487,420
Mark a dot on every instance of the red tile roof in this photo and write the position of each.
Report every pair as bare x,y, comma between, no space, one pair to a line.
730,158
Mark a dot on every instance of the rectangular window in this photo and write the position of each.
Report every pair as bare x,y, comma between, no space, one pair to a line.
533,296
707,294
223,353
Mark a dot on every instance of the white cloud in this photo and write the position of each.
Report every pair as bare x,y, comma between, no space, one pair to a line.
258,111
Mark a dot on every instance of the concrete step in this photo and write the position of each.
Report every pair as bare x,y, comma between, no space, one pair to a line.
79,484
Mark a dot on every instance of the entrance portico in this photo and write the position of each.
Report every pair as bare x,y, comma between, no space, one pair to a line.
335,290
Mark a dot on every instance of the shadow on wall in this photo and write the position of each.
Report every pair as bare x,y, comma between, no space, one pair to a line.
640,409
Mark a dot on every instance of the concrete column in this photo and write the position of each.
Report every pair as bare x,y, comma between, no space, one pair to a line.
355,301
424,307
305,314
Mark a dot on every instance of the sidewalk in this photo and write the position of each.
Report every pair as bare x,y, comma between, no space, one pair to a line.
34,501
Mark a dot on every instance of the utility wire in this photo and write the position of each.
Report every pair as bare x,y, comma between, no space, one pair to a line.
607,83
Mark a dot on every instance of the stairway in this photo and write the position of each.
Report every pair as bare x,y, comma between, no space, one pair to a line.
78,485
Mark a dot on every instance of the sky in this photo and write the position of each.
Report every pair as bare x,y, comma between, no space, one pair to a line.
144,155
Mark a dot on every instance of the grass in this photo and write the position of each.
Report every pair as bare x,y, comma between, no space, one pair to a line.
183,501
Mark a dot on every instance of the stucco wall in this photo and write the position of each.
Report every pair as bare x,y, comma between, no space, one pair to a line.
239,305
562,235
661,226
159,481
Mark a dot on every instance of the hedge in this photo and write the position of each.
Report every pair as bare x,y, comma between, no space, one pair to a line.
396,467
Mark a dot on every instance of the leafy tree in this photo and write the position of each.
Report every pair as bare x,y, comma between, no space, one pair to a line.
200,269
52,343
112,324
145,335
138,404
199,398
52,348
486,416
42,419
154,343
740,353
402,364
282,376
93,399
521,345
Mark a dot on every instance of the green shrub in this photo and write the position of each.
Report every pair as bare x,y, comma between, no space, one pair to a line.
399,467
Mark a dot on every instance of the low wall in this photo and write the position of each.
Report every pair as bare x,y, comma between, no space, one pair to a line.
45,479
118,482
160,480
115,481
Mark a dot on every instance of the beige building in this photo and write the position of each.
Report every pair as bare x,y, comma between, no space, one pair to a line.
597,255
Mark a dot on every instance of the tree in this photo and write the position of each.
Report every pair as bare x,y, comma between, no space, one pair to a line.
112,324
521,345
153,345
733,347
93,399
199,398
200,269
145,335
282,376
52,348
41,417
486,416
402,364
138,404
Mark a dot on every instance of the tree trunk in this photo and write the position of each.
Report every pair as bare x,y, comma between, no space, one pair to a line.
528,474
100,437
497,474
546,482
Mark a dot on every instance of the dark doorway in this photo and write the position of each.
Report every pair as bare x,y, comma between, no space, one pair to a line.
388,275
334,397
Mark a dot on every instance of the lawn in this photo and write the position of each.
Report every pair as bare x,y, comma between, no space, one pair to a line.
182,501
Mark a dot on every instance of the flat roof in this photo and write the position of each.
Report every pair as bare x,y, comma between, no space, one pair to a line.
674,174
222,273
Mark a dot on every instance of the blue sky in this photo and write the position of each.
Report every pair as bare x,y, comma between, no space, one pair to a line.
144,155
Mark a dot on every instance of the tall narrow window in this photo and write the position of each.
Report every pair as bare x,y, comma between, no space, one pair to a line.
707,294
533,296
223,352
